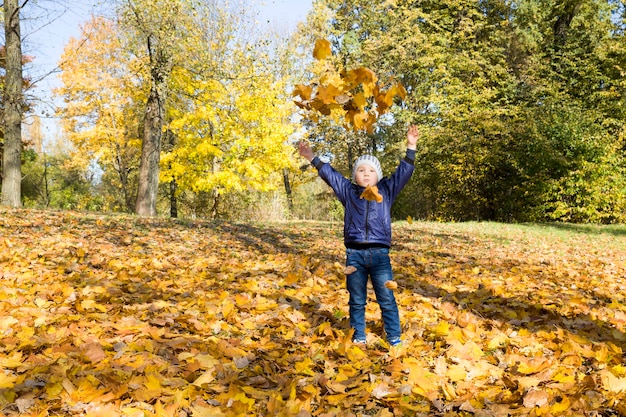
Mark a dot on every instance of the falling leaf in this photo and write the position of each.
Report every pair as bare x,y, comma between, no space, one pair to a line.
322,49
371,194
350,269
392,285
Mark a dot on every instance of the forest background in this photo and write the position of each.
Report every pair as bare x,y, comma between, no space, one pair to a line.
520,105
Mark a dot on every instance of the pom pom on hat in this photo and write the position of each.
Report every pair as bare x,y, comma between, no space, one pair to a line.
371,161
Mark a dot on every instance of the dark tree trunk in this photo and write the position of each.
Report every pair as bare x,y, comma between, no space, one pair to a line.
288,189
173,201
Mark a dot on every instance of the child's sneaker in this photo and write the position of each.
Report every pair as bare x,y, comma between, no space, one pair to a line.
395,342
359,341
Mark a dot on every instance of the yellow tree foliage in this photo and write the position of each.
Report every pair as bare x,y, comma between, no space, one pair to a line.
352,97
102,93
228,113
234,135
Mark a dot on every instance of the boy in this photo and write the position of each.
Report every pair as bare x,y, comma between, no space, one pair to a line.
367,231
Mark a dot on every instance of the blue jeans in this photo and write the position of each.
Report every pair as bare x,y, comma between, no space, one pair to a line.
375,263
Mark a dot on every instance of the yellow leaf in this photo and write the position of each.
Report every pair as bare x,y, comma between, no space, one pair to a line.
89,304
104,410
69,387
359,100
304,366
442,328
7,381
322,49
303,91
497,340
53,390
227,308
382,390
229,350
206,411
291,278
13,361
94,352
392,285
333,387
560,406
242,300
205,378
133,411
165,411
564,377
152,382
612,383
533,365
327,94
7,322
409,219
206,361
456,373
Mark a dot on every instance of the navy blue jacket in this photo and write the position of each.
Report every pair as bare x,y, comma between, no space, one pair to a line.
367,222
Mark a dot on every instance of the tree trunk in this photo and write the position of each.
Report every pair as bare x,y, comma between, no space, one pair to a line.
169,141
288,189
173,200
148,186
12,154
150,157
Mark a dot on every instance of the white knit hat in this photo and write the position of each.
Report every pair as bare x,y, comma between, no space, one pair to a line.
370,161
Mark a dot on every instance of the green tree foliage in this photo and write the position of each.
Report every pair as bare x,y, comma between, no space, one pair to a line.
520,103
52,181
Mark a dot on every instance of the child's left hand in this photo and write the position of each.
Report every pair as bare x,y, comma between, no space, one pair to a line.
412,136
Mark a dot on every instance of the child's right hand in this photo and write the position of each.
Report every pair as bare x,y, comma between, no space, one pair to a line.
305,150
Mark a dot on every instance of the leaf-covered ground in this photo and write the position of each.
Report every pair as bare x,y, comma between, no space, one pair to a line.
114,315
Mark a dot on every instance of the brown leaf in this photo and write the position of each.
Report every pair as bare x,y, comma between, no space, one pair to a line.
94,352
371,194
350,269
392,285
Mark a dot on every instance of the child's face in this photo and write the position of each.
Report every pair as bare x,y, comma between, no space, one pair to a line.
366,175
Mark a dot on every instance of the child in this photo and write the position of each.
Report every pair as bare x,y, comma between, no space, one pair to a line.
367,231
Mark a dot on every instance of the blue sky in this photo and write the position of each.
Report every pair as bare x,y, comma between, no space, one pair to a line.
45,41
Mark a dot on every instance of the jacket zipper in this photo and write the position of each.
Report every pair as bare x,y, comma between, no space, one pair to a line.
367,221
